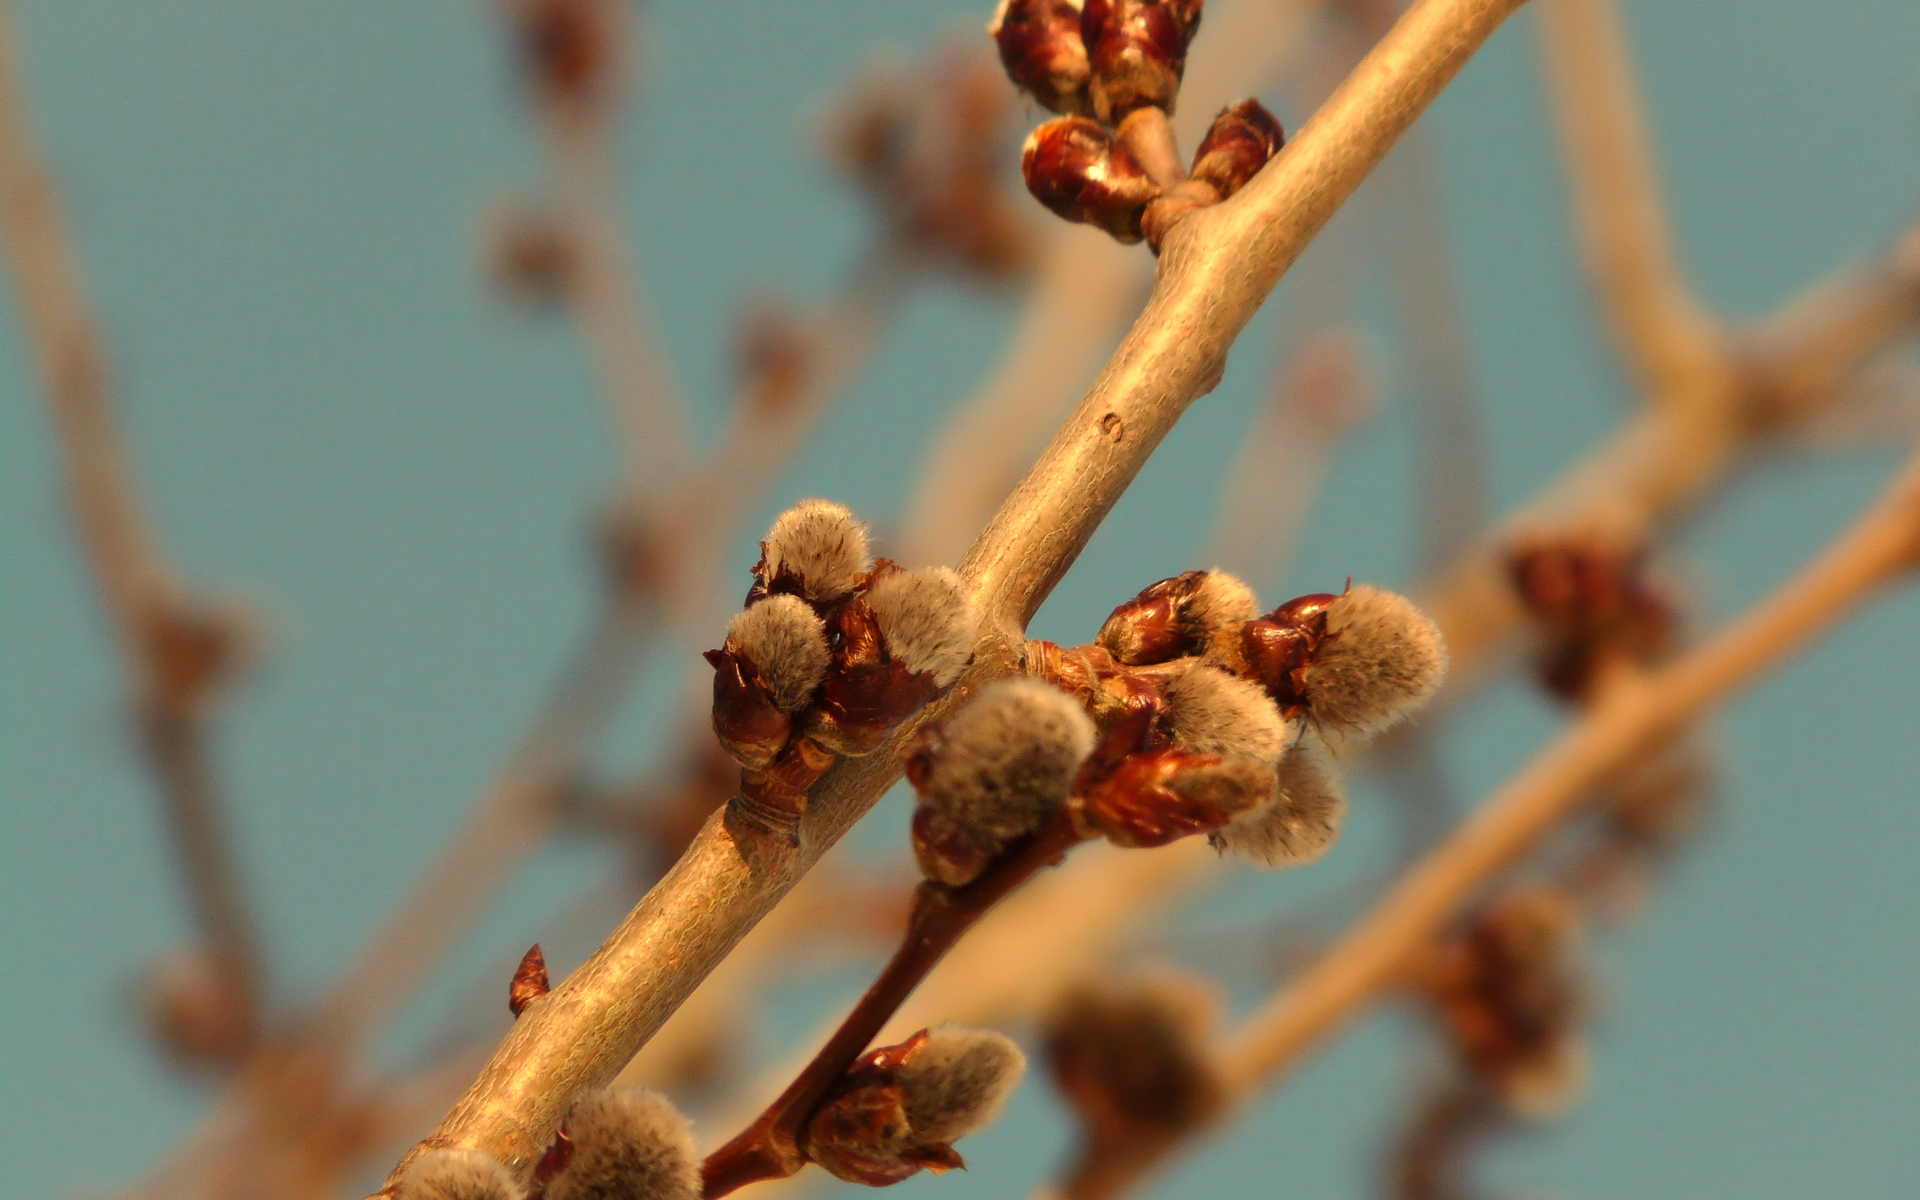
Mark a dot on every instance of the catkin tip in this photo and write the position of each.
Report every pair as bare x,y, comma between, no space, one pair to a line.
628,1144
959,1081
817,545
1381,659
787,642
927,619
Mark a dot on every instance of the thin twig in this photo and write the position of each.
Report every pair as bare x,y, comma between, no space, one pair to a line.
1216,267
176,651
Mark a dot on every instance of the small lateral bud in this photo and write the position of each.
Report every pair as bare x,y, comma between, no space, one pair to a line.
457,1173
1301,824
1177,617
1240,141
196,1013
627,1142
927,619
529,254
529,981
1211,712
899,1108
1136,52
993,774
1078,171
774,658
1039,44
815,550
1132,1056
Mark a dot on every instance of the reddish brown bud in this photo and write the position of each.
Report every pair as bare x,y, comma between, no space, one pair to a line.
1353,663
866,692
1133,1057
559,1154
1177,617
1138,795
1277,647
571,50
530,254
1240,141
1077,170
1137,52
1593,605
197,1013
774,658
529,981
1039,43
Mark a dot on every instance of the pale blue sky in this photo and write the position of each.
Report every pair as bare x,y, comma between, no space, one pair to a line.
274,204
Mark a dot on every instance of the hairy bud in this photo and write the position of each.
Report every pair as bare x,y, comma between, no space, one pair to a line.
457,1173
896,645
1353,664
1132,1056
1081,173
1301,824
1136,794
900,1107
774,658
1136,52
1177,617
993,773
815,550
928,620
627,1142
1238,143
1211,712
1040,46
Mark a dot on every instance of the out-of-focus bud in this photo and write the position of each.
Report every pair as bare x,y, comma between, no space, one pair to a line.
1132,1057
1353,664
195,1012
1176,617
1593,604
1211,712
1137,794
774,658
195,646
1509,992
529,253
897,644
627,1142
816,550
773,355
1039,43
1081,173
457,1173
1137,52
572,52
529,981
900,1108
1238,143
1301,824
993,774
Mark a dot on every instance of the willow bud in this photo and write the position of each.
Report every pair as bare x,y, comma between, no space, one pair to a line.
1136,794
816,550
1077,170
1238,143
457,1173
1133,1056
1300,825
774,658
1040,46
1136,52
627,1142
897,644
1211,712
1176,617
1353,664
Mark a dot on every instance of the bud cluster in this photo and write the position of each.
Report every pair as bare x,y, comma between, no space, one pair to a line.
1113,68
1187,715
1509,993
1594,606
831,652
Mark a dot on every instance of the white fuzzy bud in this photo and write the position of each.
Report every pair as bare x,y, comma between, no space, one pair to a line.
784,638
1213,712
628,1144
457,1173
959,1081
927,619
820,546
1381,659
1301,824
1007,759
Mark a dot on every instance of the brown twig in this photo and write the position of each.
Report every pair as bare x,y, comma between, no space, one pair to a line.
1216,268
177,651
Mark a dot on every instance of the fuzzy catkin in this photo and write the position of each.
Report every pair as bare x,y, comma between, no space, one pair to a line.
628,1144
1301,824
1213,712
1219,607
1008,758
820,546
927,619
457,1173
1382,657
959,1081
786,642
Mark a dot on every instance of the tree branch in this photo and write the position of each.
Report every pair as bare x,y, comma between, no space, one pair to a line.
1216,268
